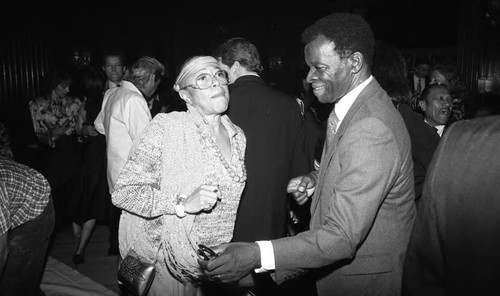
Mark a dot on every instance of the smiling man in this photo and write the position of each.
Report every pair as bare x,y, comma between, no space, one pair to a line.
362,207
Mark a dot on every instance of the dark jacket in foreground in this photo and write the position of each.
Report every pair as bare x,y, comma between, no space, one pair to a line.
455,243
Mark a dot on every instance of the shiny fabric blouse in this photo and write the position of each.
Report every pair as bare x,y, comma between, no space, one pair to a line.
47,113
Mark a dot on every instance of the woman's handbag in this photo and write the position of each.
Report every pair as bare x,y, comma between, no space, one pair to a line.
136,273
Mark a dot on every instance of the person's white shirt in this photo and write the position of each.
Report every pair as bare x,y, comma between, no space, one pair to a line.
439,128
123,116
341,108
110,84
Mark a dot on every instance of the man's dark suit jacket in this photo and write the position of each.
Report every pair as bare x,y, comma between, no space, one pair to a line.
156,107
424,141
272,124
455,242
411,83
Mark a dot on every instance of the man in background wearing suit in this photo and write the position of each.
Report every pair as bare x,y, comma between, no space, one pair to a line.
363,206
272,123
454,245
419,79
436,105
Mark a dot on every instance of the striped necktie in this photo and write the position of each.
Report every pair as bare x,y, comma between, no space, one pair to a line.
331,129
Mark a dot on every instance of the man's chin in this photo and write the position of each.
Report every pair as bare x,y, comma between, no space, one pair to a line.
322,97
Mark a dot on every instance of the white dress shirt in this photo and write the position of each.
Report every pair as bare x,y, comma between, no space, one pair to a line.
341,109
416,81
123,116
110,84
440,129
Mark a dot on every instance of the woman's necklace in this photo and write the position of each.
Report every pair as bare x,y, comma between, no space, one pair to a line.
232,173
208,141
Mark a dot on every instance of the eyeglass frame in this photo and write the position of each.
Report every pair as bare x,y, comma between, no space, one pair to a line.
212,76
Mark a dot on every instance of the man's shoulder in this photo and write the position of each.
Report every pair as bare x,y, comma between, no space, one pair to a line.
484,128
124,96
277,96
11,164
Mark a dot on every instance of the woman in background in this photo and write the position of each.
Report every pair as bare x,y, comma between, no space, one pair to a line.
54,115
90,200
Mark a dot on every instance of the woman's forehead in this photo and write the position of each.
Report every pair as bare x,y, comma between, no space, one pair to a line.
207,69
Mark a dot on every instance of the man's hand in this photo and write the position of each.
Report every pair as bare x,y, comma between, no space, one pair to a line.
234,262
301,188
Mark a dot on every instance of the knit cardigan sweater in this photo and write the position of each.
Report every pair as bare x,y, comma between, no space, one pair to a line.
171,157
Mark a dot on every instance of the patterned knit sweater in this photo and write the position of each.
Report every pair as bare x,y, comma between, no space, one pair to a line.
173,157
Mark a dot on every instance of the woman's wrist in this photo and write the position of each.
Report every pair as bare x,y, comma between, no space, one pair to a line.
179,206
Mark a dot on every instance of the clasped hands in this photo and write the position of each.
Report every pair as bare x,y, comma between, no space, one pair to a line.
234,261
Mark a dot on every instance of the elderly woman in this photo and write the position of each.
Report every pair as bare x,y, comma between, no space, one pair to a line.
183,180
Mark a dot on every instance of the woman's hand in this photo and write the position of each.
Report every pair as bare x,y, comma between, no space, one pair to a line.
204,198
58,131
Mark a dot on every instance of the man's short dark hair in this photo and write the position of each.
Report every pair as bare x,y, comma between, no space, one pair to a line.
349,32
114,52
239,50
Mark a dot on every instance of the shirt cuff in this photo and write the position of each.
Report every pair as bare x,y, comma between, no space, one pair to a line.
266,256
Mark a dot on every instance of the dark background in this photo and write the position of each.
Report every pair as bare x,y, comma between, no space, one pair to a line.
194,28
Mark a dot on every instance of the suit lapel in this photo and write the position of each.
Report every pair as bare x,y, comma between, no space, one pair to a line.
327,156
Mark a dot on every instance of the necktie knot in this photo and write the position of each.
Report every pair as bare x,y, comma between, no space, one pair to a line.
419,86
333,121
331,129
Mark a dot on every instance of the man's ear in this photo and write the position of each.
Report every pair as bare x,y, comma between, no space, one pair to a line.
357,61
423,105
236,68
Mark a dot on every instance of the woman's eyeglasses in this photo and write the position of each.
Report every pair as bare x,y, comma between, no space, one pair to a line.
206,80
